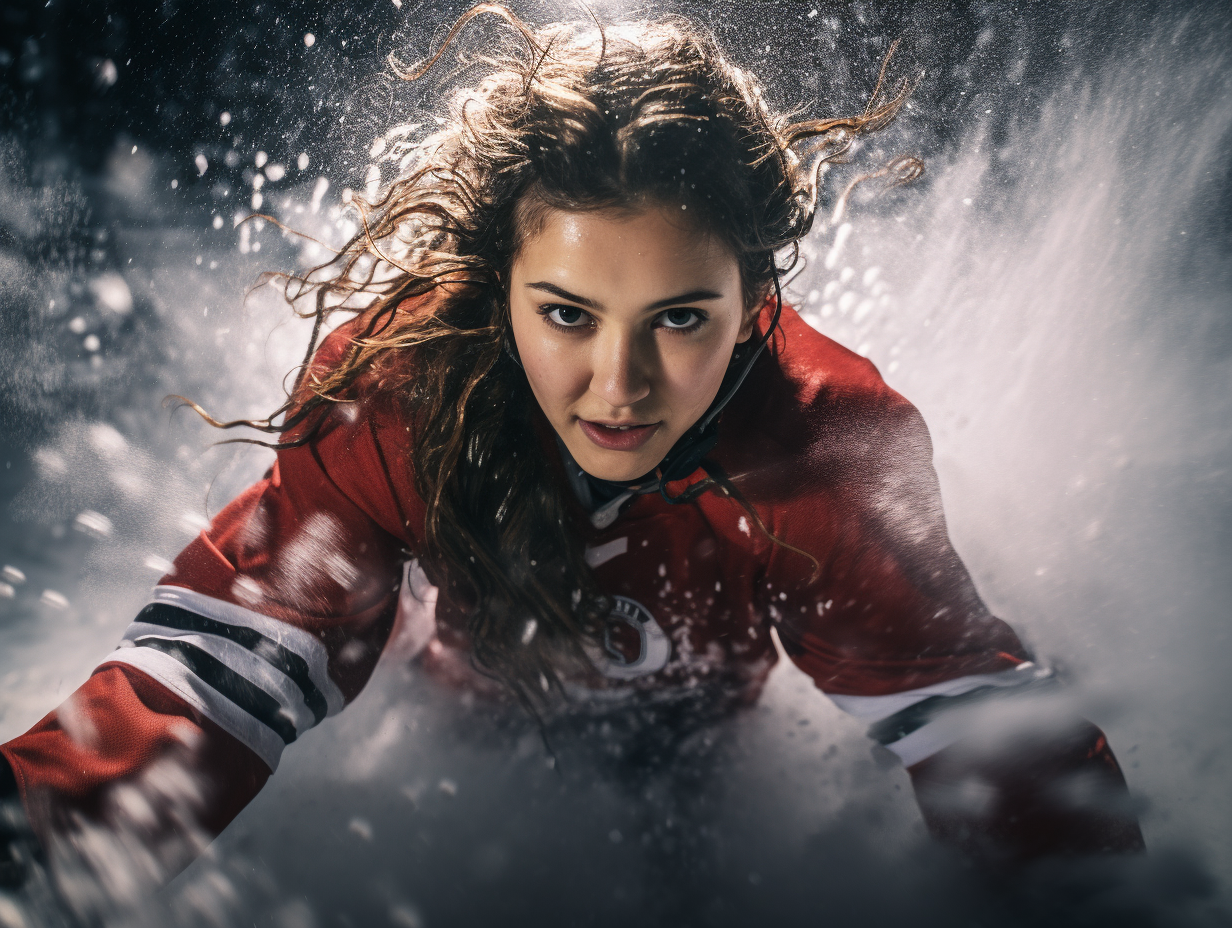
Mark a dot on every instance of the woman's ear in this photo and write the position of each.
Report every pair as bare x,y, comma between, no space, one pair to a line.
746,325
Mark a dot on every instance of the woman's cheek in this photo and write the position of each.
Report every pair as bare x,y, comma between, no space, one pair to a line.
694,375
555,374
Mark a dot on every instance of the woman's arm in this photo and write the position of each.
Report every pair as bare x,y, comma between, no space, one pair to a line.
893,630
272,619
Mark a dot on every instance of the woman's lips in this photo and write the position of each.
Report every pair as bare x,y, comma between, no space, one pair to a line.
615,438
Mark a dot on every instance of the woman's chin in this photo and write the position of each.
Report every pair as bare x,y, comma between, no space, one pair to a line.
616,466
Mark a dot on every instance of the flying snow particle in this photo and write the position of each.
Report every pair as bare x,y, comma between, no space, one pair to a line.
50,463
193,522
111,292
77,325
448,787
54,599
528,631
309,40
175,184
106,440
11,915
159,565
217,222
202,164
6,591
93,523
257,200
106,74
260,158
224,118
302,161
247,590
836,250
91,343
13,575
360,827
318,192
275,172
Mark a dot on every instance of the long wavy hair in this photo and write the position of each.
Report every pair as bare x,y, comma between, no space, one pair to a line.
568,116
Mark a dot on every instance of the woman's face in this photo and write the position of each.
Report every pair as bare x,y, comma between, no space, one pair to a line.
625,323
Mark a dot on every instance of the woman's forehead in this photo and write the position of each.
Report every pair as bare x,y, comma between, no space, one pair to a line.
647,248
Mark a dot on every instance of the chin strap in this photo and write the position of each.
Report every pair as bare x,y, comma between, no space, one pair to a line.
687,454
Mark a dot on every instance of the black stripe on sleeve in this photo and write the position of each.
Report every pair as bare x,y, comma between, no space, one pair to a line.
245,694
916,716
265,648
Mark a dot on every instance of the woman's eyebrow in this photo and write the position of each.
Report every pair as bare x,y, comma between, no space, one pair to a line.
563,293
691,297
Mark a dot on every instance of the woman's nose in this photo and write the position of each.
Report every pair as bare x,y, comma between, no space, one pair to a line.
621,371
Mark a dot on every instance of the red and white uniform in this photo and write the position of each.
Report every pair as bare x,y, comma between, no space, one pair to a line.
276,615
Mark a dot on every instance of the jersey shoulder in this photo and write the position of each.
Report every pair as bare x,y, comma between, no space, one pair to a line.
817,369
361,437
809,398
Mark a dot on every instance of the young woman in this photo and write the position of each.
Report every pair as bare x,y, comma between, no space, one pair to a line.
575,402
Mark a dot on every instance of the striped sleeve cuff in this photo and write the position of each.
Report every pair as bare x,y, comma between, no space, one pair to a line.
262,680
916,724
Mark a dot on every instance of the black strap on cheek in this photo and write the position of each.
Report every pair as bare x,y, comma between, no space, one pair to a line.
686,455
510,348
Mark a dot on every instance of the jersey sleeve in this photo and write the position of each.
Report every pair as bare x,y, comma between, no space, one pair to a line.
887,617
889,625
272,619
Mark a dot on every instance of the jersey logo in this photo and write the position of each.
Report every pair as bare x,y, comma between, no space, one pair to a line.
634,644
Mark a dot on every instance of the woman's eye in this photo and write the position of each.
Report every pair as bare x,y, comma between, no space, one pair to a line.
567,316
680,318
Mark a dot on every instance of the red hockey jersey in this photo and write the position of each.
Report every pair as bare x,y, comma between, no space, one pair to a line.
275,616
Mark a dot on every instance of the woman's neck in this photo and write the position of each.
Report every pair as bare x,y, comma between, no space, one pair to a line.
596,494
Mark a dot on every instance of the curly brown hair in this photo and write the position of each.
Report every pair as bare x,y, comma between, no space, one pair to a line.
569,116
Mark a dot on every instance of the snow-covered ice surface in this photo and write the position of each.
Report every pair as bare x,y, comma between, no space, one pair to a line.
1054,296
